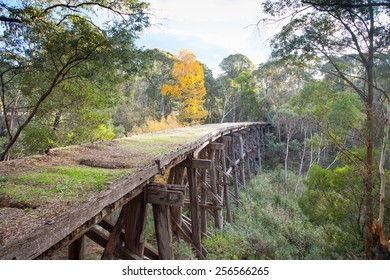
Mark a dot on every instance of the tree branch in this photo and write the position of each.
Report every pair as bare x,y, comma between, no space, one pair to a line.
347,5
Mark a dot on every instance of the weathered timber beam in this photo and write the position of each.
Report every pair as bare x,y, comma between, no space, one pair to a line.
114,238
136,225
162,224
207,205
149,252
198,163
208,188
76,250
217,146
102,240
156,195
194,208
77,233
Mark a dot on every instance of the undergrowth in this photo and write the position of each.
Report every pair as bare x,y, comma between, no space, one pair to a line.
268,225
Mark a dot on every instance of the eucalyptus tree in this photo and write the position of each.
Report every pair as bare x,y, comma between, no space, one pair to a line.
330,29
49,44
238,87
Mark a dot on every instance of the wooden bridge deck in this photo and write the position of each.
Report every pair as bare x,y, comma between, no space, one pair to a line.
51,201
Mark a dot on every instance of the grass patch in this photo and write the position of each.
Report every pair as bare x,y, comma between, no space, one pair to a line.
51,184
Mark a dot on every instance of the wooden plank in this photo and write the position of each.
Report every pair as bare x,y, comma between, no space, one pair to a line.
76,249
199,163
164,197
162,225
136,225
206,206
115,235
217,146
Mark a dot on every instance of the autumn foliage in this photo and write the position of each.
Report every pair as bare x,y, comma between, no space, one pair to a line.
188,88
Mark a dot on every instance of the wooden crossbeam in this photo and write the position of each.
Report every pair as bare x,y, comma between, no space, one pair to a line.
217,146
114,238
149,252
163,197
198,163
101,239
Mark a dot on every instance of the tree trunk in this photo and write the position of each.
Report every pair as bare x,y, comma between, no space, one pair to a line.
381,167
370,138
302,159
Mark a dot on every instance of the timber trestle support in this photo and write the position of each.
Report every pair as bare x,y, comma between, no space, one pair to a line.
201,185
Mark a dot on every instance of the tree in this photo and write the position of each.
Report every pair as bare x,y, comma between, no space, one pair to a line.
331,29
214,97
188,88
239,88
48,44
141,97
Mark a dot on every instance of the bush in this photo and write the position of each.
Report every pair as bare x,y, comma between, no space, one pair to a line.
268,225
152,125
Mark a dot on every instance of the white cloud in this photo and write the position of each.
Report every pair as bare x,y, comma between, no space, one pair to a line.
213,28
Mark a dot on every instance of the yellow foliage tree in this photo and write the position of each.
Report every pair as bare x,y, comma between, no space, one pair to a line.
188,88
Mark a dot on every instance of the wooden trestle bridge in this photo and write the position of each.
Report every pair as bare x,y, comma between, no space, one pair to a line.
206,166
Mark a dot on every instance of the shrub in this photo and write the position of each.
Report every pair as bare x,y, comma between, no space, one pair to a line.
268,225
152,125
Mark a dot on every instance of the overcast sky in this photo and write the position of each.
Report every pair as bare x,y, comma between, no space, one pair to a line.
212,29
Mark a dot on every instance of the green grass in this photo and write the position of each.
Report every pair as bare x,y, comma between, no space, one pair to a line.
155,145
51,184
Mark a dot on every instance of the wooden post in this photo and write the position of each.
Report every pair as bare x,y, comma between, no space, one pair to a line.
194,208
76,249
259,145
218,218
162,223
234,166
203,201
242,159
226,187
176,176
248,155
135,225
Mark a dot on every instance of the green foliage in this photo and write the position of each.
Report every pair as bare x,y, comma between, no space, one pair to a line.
241,100
229,245
59,67
334,200
269,225
183,251
338,112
